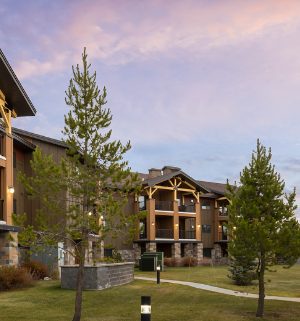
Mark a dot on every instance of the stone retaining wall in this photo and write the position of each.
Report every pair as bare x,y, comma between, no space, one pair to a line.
98,277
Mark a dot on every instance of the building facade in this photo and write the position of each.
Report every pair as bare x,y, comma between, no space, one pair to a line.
184,217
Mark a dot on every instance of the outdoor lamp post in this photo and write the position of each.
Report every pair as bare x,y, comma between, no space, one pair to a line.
146,308
158,274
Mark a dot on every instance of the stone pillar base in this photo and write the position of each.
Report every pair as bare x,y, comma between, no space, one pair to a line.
216,254
198,252
137,252
9,248
176,250
151,247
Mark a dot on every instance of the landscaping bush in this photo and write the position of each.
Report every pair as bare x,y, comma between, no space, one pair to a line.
12,277
181,261
37,269
242,270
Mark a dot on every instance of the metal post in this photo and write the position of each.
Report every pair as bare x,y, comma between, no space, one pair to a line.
158,274
146,308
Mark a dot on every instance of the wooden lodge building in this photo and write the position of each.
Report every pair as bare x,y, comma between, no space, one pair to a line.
185,216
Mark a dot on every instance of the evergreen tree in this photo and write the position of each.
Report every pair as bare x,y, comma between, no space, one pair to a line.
89,186
262,223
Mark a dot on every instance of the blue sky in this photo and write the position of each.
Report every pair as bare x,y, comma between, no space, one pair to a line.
192,84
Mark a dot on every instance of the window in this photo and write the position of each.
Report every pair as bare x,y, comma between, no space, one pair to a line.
142,203
206,228
205,205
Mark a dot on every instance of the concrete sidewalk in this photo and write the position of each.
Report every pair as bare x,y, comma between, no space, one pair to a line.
215,289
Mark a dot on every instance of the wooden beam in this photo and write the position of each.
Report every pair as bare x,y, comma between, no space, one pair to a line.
6,116
171,182
154,190
172,188
190,185
222,198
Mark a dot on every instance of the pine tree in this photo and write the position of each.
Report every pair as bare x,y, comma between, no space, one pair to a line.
93,180
262,223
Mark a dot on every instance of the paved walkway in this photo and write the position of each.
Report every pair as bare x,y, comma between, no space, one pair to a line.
215,289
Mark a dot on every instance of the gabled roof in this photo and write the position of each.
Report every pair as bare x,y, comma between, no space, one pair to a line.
217,188
162,178
20,141
14,92
39,137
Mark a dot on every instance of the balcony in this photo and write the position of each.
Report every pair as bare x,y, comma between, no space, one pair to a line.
187,208
222,211
164,206
190,235
164,233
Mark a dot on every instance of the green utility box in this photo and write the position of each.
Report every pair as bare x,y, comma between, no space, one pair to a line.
150,260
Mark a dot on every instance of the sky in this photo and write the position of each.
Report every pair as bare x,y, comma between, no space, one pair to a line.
191,83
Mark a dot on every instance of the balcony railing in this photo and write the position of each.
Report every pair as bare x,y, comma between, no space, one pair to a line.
164,233
223,237
164,206
187,234
223,211
187,208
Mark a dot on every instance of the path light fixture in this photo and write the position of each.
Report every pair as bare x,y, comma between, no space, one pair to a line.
11,189
146,308
158,274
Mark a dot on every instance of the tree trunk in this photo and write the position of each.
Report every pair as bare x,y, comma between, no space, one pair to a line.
79,286
261,284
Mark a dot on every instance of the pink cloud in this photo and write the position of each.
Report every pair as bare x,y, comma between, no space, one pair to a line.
121,32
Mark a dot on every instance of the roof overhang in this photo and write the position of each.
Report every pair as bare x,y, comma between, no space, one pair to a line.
14,92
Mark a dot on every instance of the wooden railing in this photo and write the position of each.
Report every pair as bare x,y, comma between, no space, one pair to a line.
164,206
164,233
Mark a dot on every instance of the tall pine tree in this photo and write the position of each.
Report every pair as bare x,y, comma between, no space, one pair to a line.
89,186
262,223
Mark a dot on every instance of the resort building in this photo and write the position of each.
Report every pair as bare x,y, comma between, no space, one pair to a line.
184,216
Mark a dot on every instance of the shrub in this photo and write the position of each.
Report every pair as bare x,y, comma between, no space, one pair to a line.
37,269
12,277
182,261
242,270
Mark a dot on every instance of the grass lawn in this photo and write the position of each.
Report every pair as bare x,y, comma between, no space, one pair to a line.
46,301
283,282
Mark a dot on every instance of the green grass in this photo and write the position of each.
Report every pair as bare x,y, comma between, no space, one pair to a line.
283,282
46,301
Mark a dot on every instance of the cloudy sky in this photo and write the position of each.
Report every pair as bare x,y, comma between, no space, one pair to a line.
192,84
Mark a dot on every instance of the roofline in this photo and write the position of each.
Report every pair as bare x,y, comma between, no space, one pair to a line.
172,174
40,137
17,82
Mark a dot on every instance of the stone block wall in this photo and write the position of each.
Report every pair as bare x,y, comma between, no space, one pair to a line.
98,277
9,248
151,247
127,255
